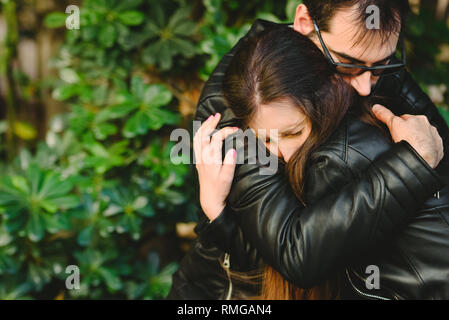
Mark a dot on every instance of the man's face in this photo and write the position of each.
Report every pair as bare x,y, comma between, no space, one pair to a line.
341,41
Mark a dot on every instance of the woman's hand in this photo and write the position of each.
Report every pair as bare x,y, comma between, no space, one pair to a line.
215,174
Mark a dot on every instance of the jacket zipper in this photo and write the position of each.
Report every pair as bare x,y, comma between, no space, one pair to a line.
372,296
227,266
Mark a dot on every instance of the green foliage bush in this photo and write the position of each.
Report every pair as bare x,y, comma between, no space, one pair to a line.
102,181
101,185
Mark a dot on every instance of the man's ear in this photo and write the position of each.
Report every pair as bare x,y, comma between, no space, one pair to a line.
303,22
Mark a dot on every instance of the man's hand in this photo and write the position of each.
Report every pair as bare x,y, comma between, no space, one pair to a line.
416,130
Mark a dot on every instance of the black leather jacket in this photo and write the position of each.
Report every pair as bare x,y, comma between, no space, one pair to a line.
414,263
265,221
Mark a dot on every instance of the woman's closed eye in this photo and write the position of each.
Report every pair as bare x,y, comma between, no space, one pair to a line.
294,134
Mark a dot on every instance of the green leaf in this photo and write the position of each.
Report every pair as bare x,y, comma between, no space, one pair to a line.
112,281
108,35
119,147
66,202
65,92
24,130
130,223
35,227
157,95
38,275
112,210
104,130
69,75
157,15
169,270
174,197
185,29
55,20
48,205
36,177
184,47
290,9
54,186
139,203
100,95
134,223
269,17
151,30
5,237
180,16
131,18
159,117
85,236
6,199
21,184
137,87
159,53
131,39
116,112
136,125
89,33
18,223
52,223
97,149
128,4
146,211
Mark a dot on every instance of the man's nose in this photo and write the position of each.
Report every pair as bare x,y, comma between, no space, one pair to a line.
362,83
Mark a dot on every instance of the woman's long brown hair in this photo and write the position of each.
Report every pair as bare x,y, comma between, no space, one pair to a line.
280,64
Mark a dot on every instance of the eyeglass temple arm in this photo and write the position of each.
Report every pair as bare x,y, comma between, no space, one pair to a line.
322,41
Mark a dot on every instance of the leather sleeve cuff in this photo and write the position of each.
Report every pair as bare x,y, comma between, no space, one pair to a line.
426,172
220,231
409,182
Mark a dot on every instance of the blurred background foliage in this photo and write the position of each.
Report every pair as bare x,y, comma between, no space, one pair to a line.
85,118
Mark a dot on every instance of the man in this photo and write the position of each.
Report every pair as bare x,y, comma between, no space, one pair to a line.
364,211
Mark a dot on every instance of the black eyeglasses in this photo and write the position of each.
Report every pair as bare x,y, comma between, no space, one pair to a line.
354,70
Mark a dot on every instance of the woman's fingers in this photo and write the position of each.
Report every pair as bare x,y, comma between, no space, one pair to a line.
208,127
228,168
202,136
217,141
204,131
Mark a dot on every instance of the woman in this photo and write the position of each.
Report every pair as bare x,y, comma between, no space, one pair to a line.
291,94
285,60
405,270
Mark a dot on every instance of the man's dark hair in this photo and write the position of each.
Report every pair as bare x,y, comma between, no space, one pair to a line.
393,15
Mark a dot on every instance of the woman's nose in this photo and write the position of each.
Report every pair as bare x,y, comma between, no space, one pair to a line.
285,152
280,154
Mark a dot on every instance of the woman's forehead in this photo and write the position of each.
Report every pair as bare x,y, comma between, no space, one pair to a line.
278,115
